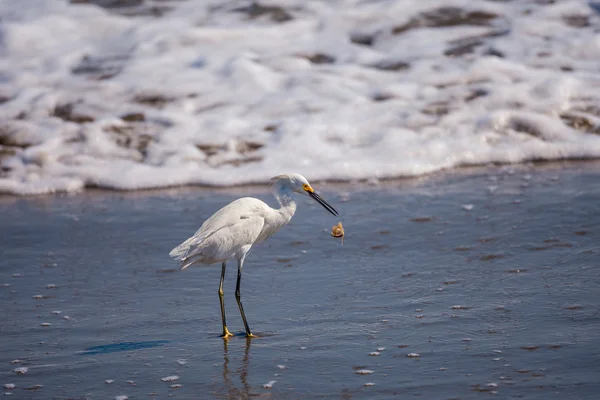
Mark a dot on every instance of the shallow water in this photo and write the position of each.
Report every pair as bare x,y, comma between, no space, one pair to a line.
490,276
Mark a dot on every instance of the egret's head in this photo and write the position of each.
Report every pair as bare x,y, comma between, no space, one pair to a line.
297,183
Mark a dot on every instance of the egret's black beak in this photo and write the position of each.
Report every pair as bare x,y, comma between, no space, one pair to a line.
322,202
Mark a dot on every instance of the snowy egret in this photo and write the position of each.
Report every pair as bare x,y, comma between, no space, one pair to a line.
231,232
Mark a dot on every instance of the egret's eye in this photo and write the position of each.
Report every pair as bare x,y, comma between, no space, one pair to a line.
307,188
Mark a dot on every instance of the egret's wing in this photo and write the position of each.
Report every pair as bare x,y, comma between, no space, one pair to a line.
211,226
224,243
225,218
208,228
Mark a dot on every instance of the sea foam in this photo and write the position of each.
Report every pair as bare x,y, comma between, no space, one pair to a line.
214,93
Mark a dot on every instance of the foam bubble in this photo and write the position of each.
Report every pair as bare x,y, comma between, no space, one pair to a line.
364,372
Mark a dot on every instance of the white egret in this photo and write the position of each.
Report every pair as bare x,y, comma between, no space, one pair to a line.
231,232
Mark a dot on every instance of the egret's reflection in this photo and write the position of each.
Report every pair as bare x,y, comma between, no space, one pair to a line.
231,390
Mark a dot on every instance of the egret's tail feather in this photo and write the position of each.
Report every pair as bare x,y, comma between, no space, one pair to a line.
178,252
186,263
182,250
185,255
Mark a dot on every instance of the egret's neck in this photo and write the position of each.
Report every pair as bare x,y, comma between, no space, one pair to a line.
285,200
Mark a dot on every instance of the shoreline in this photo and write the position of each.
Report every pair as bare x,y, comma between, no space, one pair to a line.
335,185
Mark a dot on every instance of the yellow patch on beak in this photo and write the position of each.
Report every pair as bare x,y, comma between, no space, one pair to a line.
308,188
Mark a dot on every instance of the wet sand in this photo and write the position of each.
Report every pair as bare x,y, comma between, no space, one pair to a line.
456,285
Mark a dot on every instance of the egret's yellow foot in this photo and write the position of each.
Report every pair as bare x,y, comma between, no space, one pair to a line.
226,334
251,335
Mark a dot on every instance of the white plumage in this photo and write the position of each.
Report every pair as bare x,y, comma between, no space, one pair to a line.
231,231
234,226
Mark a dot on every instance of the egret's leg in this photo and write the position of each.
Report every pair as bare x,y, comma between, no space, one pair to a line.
226,334
239,299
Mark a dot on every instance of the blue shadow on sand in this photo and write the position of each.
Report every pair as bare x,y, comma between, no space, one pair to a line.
124,346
